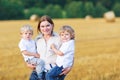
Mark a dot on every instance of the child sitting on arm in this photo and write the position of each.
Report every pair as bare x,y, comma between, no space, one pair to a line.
65,55
28,49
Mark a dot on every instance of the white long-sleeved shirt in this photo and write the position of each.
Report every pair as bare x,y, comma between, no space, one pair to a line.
43,48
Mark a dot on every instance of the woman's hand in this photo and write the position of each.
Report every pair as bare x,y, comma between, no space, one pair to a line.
31,66
66,70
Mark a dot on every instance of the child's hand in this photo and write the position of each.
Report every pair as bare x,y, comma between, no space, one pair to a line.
37,55
52,46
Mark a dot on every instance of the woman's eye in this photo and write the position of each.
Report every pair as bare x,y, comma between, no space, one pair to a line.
48,25
42,26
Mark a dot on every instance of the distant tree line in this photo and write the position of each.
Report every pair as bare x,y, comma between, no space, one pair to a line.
23,9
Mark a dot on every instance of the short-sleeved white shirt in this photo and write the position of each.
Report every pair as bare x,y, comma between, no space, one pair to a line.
67,48
28,45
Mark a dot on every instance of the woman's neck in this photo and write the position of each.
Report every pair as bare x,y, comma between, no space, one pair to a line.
47,37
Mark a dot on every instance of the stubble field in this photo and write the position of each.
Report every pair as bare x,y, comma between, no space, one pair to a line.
97,49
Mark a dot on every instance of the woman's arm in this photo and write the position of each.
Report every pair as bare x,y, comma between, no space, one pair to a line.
67,70
31,66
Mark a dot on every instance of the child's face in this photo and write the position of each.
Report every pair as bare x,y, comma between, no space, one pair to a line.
27,35
65,36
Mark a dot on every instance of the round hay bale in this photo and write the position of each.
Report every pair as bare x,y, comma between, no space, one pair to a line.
109,16
88,17
34,17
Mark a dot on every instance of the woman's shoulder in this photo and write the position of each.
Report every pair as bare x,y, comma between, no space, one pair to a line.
38,37
56,37
55,34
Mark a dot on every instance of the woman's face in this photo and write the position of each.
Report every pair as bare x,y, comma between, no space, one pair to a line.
46,28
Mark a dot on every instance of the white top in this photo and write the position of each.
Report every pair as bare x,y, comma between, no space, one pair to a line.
43,49
28,45
67,48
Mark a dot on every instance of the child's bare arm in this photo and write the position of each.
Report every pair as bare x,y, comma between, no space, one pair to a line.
25,52
37,55
56,51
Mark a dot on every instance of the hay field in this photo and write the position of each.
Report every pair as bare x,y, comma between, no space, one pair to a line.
97,49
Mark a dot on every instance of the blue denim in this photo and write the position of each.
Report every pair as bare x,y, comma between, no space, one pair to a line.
53,74
40,76
34,76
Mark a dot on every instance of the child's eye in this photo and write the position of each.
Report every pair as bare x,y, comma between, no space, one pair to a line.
62,34
30,33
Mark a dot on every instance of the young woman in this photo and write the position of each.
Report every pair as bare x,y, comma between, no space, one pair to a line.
44,40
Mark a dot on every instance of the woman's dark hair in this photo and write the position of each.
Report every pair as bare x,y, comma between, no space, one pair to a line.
45,18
